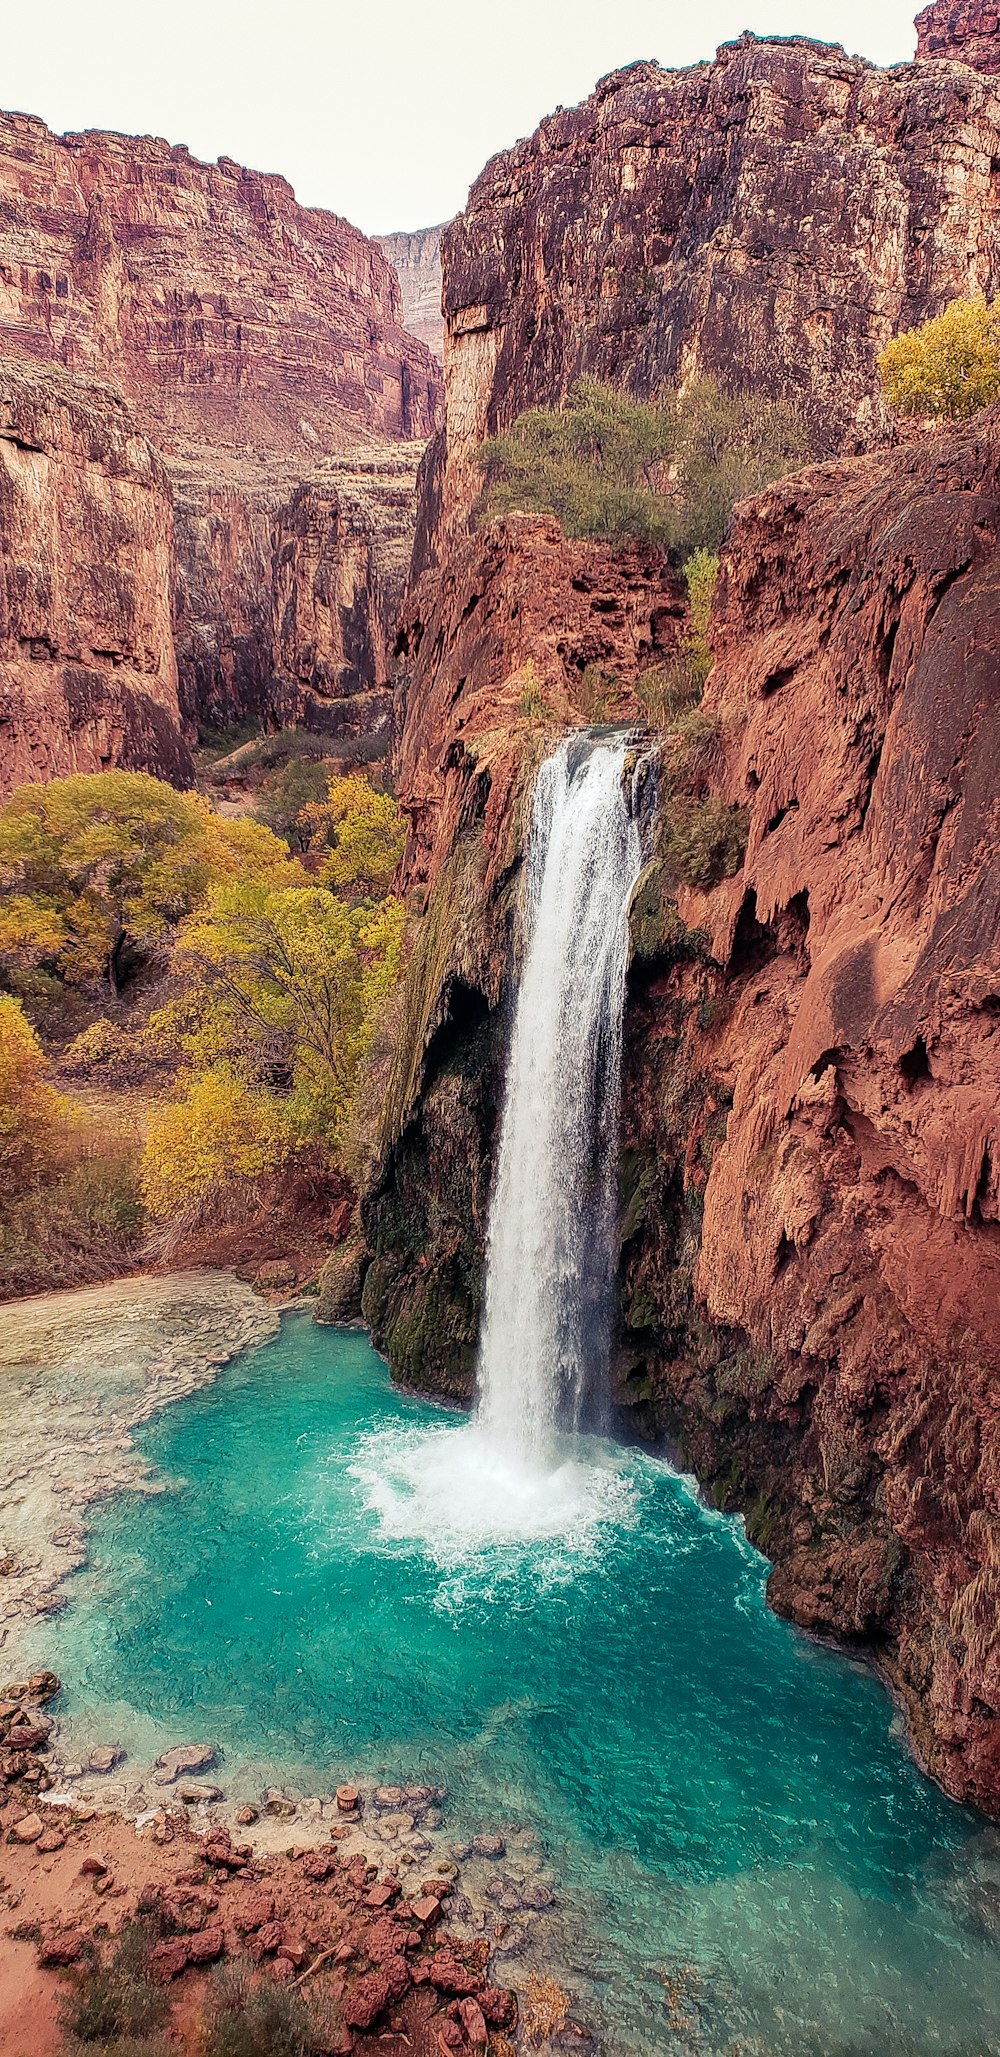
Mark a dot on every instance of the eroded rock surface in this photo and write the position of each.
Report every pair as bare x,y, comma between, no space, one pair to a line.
416,254
772,217
88,676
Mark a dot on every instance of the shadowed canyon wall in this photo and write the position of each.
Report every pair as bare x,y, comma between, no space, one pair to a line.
261,349
416,254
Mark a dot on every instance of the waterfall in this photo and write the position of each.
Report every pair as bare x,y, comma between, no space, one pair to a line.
516,1473
550,1250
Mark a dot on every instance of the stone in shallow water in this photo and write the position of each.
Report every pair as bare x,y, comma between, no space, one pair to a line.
105,1757
488,1846
184,1757
195,1794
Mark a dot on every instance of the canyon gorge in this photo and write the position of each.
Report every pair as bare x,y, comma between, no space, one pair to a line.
242,488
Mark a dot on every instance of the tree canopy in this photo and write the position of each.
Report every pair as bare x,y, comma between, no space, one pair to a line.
667,470
948,367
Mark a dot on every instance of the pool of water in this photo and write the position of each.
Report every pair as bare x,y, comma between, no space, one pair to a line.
747,1857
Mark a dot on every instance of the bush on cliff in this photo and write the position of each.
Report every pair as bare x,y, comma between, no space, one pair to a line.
948,367
666,471
667,690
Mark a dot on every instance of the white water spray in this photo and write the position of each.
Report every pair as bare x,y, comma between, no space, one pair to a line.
550,1252
513,1471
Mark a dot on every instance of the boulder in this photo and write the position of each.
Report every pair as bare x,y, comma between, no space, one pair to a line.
185,1757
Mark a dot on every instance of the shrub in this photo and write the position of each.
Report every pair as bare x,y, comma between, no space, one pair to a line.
220,1135
254,2018
948,367
589,462
533,705
666,471
116,1998
33,1116
704,840
667,689
295,787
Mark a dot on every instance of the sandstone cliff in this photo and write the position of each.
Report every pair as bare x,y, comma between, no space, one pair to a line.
416,254
810,1208
773,216
965,30
87,671
226,312
261,348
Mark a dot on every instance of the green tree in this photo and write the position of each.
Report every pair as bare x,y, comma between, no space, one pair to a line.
668,470
591,462
98,865
729,445
948,367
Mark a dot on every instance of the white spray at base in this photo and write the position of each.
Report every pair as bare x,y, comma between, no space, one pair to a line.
515,1471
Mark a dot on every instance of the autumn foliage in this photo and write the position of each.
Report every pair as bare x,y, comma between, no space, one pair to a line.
949,367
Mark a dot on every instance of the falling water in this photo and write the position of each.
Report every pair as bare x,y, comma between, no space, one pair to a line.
550,1250
517,1472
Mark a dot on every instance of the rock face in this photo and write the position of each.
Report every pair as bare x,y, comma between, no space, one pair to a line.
774,217
416,255
812,1279
810,1207
968,31
87,671
261,349
226,312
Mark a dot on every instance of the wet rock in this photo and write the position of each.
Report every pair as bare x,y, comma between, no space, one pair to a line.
279,1804
348,1799
28,1829
105,1758
448,1974
246,1816
537,1896
194,1794
184,1757
388,1798
488,1846
433,1817
29,1736
473,2021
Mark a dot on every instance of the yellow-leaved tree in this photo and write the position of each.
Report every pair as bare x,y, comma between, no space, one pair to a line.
101,865
285,982
948,367
32,1114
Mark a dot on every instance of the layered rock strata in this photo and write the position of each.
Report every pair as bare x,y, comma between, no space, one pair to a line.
261,348
810,1209
966,30
88,677
416,255
772,217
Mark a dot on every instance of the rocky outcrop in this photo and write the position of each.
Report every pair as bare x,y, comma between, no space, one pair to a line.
87,672
287,592
416,255
810,1277
772,217
226,312
966,30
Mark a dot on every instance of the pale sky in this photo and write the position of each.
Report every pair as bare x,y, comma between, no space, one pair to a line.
381,111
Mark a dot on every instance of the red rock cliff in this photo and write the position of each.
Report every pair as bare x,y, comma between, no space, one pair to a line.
966,30
773,216
225,311
87,671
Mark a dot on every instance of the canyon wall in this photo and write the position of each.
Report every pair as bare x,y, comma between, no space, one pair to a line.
88,677
416,254
260,347
773,217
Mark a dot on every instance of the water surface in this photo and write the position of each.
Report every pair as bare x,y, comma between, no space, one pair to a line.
748,1859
